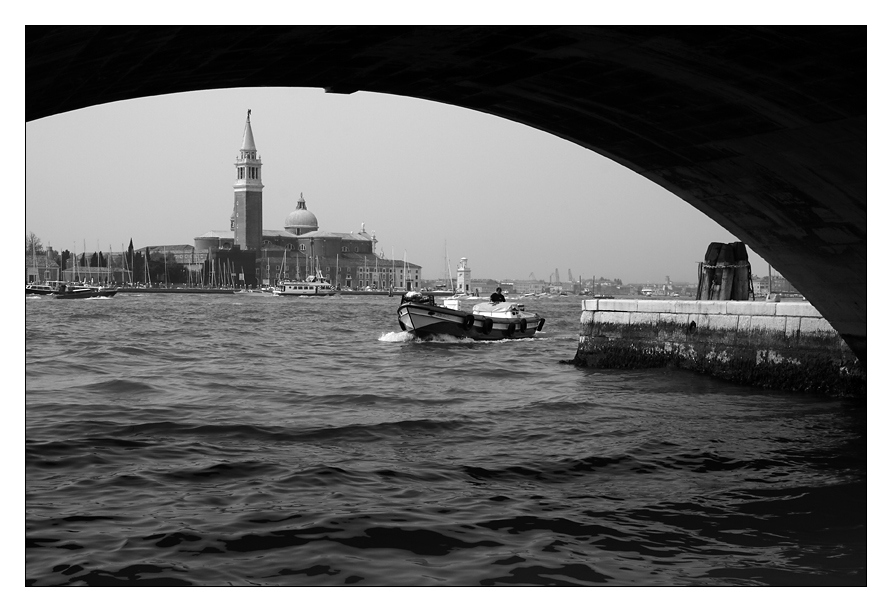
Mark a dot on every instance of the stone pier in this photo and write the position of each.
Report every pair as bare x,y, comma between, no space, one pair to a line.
781,345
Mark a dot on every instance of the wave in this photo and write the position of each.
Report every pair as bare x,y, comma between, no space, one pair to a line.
119,385
350,432
226,470
323,448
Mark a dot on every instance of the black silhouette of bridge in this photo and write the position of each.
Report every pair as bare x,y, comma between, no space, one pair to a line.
763,129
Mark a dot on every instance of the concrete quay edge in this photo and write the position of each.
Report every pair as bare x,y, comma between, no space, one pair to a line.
750,308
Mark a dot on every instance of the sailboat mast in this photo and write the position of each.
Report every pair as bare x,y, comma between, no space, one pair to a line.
123,262
445,263
34,261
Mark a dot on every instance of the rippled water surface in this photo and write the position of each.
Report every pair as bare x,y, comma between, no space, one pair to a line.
249,439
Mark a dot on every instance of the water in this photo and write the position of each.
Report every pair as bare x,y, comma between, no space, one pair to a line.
256,440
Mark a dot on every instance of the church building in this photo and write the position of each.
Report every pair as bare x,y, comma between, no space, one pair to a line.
257,257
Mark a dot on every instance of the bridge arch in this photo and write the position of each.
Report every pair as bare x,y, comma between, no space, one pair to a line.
763,129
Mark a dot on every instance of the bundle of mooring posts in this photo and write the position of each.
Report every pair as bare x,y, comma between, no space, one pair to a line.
726,273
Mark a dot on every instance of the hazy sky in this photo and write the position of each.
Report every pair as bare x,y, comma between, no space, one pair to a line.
429,179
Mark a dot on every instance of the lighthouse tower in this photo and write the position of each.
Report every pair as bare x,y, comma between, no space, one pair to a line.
247,216
463,284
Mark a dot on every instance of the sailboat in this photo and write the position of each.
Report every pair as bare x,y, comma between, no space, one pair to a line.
80,290
448,268
38,288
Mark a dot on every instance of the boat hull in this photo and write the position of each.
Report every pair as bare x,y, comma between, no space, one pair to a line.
425,320
80,294
38,290
321,293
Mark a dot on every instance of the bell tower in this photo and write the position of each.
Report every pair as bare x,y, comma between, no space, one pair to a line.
247,219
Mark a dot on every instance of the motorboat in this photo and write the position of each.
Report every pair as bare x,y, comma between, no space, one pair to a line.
312,286
466,297
422,316
45,288
75,292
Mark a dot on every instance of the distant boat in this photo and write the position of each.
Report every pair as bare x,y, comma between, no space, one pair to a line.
47,288
466,296
75,292
312,286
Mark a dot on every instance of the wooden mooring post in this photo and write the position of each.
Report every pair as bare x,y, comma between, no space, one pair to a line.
725,273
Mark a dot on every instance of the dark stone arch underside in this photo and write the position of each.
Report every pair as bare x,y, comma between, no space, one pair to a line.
764,129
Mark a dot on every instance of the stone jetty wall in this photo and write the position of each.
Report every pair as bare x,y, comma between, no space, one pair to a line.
782,345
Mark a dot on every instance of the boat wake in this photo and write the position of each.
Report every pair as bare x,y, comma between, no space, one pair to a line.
400,336
407,336
443,339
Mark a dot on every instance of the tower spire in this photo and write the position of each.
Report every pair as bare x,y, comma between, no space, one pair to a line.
248,136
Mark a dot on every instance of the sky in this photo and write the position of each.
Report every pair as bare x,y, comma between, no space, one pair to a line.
434,182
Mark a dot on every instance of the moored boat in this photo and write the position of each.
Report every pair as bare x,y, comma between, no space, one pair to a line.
312,286
422,316
75,292
46,288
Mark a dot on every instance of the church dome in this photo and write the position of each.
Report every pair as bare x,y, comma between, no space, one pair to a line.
301,220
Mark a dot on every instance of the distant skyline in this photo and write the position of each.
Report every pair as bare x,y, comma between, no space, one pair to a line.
430,180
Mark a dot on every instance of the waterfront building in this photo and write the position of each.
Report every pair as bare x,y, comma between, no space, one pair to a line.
245,255
349,260
40,268
523,286
762,286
